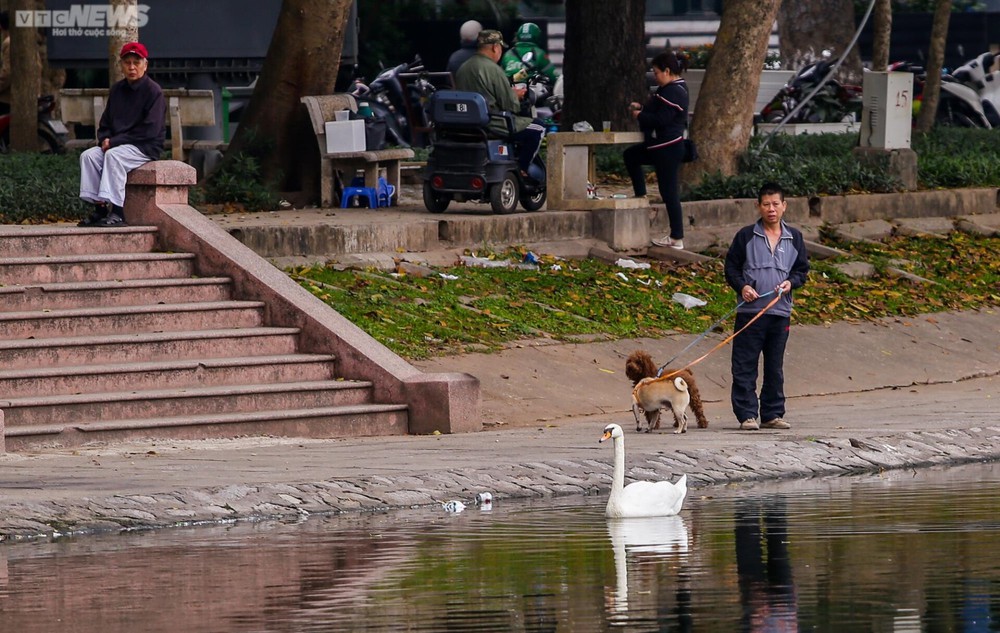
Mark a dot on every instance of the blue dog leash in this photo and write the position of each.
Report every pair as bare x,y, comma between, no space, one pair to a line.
659,371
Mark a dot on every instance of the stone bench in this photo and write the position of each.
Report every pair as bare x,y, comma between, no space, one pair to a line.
571,165
322,108
184,107
622,222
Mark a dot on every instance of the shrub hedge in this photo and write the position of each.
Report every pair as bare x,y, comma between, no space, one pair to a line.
36,188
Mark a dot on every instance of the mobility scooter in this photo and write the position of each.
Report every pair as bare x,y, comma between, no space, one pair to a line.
467,163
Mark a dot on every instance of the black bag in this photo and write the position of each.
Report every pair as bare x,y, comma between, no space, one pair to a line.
375,134
690,151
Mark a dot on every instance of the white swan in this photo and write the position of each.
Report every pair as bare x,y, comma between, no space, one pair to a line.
639,498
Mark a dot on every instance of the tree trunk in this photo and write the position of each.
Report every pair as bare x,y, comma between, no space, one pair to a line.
881,30
302,60
25,81
935,61
602,76
121,34
723,116
808,27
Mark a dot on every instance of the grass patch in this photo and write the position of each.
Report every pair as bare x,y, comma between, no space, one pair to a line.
486,309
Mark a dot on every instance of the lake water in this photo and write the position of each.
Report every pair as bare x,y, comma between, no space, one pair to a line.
900,551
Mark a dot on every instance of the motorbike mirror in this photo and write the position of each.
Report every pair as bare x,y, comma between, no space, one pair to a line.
527,57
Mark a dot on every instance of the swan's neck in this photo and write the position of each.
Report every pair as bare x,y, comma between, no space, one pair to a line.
618,475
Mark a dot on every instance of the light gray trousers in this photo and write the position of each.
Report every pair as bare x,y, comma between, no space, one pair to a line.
103,174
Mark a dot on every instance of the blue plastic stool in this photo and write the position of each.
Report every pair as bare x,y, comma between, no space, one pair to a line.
368,193
385,193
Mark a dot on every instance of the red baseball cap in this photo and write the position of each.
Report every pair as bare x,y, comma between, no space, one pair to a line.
134,48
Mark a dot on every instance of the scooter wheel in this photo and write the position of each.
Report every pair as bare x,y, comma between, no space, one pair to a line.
504,194
534,201
434,201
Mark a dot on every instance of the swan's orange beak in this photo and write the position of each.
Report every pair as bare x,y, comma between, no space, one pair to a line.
606,436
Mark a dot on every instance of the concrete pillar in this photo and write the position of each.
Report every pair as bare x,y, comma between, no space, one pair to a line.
900,162
154,184
622,229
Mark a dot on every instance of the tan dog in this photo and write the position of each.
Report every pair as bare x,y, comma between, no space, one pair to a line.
652,394
640,366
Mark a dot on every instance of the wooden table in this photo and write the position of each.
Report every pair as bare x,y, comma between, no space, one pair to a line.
570,164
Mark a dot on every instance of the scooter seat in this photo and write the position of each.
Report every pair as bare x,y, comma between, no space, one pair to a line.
459,109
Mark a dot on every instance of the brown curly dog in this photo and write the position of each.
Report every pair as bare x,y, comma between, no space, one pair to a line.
640,365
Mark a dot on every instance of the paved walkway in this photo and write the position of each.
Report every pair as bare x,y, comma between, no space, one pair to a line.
904,392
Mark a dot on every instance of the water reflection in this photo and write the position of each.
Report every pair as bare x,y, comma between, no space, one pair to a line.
767,591
902,551
646,539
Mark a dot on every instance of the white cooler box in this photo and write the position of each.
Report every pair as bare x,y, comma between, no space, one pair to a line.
345,136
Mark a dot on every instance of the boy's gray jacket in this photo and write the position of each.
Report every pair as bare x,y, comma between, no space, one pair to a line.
750,262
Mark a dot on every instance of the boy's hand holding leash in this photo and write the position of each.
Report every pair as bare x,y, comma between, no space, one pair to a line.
750,295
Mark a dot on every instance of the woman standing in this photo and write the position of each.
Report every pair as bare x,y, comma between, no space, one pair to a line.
662,120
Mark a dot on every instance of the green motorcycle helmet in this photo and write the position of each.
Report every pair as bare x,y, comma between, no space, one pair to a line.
529,33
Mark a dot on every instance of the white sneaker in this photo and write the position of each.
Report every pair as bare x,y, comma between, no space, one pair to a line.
776,423
666,240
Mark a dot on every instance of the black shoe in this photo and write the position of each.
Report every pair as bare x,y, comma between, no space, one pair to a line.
110,220
99,213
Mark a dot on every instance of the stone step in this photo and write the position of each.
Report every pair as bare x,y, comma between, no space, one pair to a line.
105,339
32,241
324,422
70,268
129,348
167,374
155,403
41,324
123,292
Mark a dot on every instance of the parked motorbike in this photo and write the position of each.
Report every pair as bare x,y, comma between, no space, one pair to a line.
968,98
544,98
970,95
52,133
835,102
400,96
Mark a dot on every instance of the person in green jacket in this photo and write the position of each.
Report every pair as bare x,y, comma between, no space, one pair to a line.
528,39
482,74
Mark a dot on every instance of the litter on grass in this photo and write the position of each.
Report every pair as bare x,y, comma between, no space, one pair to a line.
687,300
628,263
482,262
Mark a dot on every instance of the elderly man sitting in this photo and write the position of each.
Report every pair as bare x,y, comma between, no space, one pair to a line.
482,74
130,134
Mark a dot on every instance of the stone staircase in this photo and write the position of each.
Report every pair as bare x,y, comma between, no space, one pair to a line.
104,339
170,328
